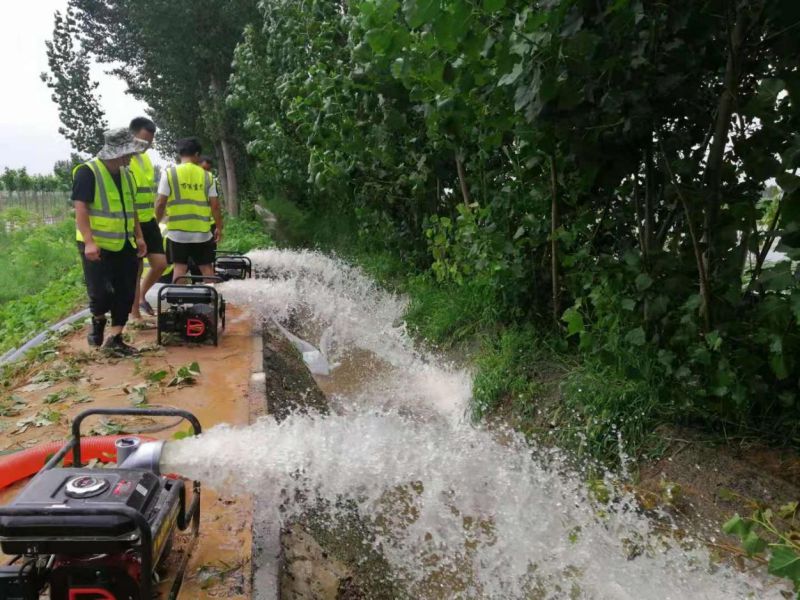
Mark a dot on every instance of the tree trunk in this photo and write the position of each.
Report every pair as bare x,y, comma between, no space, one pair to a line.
555,224
462,180
769,239
637,206
716,153
223,174
220,130
231,191
649,204
702,270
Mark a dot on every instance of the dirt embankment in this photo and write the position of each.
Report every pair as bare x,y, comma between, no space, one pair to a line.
700,480
703,481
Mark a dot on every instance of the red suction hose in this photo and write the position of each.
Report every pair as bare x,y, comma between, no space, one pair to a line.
26,463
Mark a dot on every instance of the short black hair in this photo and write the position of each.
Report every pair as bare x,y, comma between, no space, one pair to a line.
206,158
140,123
188,146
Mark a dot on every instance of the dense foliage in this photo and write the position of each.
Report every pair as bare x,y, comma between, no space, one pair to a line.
598,164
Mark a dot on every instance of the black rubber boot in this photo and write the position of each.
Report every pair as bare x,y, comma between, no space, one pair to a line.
95,336
116,345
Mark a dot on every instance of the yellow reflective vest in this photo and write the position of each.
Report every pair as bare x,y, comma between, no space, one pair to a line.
188,207
111,215
144,174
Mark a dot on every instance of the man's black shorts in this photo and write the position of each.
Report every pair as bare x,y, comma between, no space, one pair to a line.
202,253
152,237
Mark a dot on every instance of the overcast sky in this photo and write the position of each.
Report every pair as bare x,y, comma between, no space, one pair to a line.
28,117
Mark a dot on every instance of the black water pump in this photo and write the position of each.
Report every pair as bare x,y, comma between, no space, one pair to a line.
84,533
232,265
193,311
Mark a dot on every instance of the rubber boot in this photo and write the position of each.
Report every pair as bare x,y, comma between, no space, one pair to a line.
95,336
116,346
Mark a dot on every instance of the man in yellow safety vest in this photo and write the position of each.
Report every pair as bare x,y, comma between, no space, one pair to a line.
144,174
188,195
109,236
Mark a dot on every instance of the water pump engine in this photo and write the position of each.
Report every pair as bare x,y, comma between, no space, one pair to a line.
84,533
193,311
233,265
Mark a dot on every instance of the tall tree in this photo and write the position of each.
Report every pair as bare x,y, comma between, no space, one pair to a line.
176,57
9,179
62,169
82,118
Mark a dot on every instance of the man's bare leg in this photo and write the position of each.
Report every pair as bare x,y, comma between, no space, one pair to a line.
136,314
158,262
178,271
207,271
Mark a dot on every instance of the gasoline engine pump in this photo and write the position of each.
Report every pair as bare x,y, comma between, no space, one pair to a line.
79,533
193,311
232,265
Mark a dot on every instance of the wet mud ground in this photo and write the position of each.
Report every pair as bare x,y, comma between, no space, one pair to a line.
73,378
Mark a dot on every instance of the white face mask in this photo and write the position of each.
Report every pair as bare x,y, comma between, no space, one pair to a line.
149,144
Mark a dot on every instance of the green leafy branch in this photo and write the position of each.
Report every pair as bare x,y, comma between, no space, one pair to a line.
773,530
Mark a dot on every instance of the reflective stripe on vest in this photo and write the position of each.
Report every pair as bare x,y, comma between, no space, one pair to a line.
144,173
188,207
109,214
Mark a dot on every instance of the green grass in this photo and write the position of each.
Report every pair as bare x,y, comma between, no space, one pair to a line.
242,235
450,314
24,317
513,368
33,256
40,276
293,223
604,411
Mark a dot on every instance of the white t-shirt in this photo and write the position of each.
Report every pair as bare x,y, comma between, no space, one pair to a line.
185,237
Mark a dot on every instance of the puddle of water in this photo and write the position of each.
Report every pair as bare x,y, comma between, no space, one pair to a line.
459,511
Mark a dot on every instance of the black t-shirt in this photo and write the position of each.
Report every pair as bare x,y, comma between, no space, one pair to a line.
83,187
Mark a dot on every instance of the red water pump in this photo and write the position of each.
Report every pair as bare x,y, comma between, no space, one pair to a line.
84,533
193,311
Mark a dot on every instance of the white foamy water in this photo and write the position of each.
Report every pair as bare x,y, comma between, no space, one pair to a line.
459,511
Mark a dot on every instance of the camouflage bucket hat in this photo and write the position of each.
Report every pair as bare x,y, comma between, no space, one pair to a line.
120,142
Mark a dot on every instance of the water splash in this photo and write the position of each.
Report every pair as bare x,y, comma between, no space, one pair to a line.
459,511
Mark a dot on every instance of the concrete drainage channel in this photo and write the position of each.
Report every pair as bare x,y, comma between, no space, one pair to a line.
266,550
283,384
306,559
